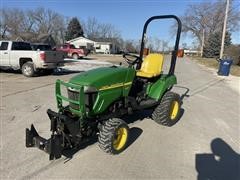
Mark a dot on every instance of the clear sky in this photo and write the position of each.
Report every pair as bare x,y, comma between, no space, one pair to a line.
127,16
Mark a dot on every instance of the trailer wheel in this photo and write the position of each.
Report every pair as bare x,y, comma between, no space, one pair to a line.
113,136
168,111
28,69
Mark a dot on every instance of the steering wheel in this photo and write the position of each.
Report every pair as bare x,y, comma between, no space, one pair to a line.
128,58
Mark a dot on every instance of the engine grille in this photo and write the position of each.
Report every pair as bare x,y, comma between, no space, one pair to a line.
89,99
73,95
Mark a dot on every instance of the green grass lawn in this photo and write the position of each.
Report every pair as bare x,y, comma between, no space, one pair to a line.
212,63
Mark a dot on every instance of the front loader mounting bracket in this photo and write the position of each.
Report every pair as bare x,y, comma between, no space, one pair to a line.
53,145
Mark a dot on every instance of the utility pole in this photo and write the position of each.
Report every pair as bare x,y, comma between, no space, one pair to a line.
224,29
202,45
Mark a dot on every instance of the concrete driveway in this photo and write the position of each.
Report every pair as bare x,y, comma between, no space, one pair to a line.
204,143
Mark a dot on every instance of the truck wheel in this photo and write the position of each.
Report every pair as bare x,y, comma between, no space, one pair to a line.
28,69
75,56
168,111
113,136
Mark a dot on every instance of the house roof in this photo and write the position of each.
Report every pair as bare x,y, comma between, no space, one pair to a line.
94,40
106,43
104,40
80,38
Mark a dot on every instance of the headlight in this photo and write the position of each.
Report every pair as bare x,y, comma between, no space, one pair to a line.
72,89
87,89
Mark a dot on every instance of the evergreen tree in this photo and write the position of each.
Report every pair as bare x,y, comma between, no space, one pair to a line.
213,44
74,29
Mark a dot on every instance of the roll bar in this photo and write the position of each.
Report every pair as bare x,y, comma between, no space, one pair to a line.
174,53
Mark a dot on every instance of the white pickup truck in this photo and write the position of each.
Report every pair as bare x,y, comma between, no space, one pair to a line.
20,55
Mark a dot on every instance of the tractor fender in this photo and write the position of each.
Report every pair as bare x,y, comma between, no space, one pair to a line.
157,89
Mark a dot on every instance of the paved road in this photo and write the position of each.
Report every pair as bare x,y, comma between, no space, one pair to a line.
209,124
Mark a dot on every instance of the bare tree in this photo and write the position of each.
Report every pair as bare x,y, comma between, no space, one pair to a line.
98,31
28,25
91,27
94,29
129,46
3,25
165,46
157,44
208,16
11,21
48,22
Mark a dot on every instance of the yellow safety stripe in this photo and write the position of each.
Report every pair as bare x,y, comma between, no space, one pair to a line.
115,86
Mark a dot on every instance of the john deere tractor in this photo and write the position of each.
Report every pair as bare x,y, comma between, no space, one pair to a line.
96,100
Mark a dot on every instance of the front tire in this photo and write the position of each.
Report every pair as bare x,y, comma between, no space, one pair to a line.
28,69
113,136
167,113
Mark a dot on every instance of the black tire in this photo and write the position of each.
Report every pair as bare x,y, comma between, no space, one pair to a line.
75,56
28,69
108,135
48,71
165,113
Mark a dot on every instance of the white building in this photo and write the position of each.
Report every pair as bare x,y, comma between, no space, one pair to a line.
191,52
82,42
105,48
98,46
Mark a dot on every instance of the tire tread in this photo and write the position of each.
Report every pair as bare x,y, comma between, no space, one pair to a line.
161,112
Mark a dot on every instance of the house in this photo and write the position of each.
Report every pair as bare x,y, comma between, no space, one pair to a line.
191,52
105,46
82,42
99,45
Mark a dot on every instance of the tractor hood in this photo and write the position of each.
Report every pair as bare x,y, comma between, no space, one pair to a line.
104,76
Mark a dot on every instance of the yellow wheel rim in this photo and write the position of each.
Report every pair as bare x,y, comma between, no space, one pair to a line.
174,110
120,139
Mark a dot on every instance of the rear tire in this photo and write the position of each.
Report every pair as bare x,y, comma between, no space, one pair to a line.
75,56
168,111
28,69
113,136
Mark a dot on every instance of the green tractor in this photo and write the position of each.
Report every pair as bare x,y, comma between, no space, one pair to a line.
96,100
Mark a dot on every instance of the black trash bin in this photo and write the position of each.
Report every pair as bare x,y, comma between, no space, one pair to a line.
224,67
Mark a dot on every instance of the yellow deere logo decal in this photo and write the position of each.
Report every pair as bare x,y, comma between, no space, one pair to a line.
115,86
